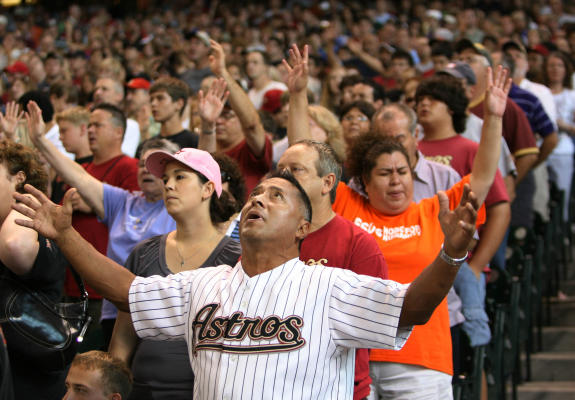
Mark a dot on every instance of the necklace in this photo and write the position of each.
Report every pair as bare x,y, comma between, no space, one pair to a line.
182,258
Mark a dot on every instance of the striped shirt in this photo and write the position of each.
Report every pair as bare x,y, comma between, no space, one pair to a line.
288,333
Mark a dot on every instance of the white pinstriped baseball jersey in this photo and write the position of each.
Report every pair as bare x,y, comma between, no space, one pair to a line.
288,333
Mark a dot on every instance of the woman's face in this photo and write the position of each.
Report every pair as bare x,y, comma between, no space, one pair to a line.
390,184
555,70
183,190
354,123
317,132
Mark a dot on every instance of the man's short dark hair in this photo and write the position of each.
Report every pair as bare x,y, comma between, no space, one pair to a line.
67,91
305,202
265,56
449,90
175,88
401,54
118,117
442,48
43,102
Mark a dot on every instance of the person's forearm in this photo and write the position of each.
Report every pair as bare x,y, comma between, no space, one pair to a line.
247,114
549,143
427,291
486,160
371,61
124,339
524,165
298,118
73,174
493,232
510,187
207,140
108,278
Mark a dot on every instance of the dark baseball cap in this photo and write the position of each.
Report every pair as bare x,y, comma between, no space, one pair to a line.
460,70
477,48
513,45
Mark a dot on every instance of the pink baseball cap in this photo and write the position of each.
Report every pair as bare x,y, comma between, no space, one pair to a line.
199,160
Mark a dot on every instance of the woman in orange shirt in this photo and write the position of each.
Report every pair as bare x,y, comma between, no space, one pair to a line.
408,234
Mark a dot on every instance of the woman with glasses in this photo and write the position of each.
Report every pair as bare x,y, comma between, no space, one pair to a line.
356,120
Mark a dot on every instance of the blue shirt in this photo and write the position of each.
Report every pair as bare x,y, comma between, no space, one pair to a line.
533,109
130,219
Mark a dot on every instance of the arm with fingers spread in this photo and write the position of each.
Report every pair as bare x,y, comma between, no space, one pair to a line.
296,81
91,189
241,104
210,107
431,286
487,157
107,277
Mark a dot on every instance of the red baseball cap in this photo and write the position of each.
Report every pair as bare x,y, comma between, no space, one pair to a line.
17,68
272,101
138,83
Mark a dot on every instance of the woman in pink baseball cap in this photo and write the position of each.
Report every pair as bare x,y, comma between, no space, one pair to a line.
193,196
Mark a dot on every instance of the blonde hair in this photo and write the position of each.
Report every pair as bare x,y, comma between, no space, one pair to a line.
76,115
332,127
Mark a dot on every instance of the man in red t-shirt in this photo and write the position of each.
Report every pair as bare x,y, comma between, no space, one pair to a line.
333,240
237,131
105,134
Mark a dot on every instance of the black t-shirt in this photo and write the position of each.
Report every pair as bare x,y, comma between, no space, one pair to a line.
46,277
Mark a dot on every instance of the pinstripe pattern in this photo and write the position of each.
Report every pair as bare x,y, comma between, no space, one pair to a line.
318,314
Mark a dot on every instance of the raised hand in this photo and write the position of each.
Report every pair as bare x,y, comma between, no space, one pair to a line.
9,121
211,104
498,86
296,79
217,58
458,226
36,126
46,218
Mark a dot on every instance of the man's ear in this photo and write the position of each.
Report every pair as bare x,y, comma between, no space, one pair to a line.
84,130
328,183
116,396
303,229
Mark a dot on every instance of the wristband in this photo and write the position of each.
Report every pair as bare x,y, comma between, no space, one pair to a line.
456,262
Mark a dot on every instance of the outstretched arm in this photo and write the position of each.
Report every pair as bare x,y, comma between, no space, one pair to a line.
109,279
431,286
241,104
296,81
91,189
487,157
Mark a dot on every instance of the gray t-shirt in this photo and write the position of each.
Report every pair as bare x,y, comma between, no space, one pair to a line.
162,369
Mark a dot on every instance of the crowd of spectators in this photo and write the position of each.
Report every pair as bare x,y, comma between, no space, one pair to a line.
214,75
